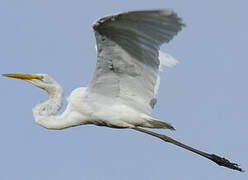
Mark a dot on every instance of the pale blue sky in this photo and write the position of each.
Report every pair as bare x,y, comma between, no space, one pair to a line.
204,97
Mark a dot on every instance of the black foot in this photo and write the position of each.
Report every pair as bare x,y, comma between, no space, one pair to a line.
224,162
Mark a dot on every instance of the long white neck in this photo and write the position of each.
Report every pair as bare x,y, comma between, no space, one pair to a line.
45,113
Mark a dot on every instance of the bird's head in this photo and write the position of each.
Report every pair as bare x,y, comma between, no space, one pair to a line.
42,81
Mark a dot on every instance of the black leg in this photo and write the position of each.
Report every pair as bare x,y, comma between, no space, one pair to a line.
217,159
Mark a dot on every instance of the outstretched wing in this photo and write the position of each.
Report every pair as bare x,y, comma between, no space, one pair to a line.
127,51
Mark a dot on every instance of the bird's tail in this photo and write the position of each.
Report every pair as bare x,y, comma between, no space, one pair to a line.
155,123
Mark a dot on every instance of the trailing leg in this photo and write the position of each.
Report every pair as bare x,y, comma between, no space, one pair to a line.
217,159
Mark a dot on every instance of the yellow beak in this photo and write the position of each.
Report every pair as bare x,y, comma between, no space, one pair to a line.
24,76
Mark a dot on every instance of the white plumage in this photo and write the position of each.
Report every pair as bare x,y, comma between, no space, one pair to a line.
122,91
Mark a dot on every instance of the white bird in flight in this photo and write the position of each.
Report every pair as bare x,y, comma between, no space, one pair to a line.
122,91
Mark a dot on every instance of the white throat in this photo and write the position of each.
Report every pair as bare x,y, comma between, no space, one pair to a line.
45,113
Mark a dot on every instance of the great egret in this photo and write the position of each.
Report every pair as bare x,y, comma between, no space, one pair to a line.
122,91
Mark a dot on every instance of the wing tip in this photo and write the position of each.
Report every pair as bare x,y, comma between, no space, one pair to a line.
167,12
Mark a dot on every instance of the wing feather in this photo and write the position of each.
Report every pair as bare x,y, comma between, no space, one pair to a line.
127,51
